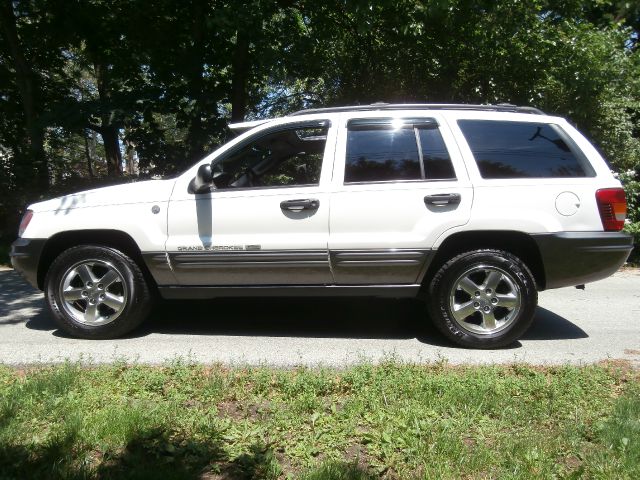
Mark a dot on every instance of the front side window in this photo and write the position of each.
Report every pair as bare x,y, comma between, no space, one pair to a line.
505,149
289,157
383,151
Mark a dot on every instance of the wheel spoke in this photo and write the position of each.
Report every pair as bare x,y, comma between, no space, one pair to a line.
488,320
85,274
109,278
463,310
508,300
72,294
91,313
468,285
113,301
87,303
492,280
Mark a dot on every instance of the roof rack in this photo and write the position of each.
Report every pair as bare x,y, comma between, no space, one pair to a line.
500,107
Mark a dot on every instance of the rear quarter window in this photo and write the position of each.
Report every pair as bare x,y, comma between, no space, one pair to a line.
506,149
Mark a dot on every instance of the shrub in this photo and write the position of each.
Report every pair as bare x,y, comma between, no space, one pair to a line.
631,182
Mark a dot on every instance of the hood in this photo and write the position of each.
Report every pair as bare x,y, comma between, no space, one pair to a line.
128,193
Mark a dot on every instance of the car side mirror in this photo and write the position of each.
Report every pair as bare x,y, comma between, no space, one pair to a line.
204,179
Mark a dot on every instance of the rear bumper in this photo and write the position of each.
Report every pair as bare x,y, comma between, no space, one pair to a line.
25,256
575,258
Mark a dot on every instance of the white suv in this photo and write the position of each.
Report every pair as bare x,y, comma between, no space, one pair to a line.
473,207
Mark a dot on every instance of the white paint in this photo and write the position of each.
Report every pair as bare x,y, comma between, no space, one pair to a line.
382,215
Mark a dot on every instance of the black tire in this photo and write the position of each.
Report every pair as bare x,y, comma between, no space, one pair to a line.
449,289
129,293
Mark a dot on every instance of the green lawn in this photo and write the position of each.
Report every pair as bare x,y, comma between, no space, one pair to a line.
387,421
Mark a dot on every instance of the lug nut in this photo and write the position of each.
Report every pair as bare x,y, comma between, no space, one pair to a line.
487,309
101,297
89,284
477,294
92,301
494,300
85,293
488,291
476,304
100,286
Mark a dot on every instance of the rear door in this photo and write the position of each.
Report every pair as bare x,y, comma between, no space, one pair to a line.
399,182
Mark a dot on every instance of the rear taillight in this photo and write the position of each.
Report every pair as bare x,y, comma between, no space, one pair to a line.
24,223
612,205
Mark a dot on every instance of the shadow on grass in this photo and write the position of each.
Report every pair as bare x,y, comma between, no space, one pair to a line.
152,455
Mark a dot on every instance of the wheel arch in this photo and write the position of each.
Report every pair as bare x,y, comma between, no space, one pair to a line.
116,239
518,243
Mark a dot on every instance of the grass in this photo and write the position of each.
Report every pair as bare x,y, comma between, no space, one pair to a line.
365,422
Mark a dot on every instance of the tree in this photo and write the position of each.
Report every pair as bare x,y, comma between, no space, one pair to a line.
33,167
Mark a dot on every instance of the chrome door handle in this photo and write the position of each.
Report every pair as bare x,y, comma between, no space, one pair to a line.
442,199
299,205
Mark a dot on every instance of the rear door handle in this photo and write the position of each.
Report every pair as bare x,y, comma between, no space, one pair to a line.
442,199
300,204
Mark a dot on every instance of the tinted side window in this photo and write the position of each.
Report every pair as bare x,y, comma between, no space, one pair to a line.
437,163
505,149
291,157
382,154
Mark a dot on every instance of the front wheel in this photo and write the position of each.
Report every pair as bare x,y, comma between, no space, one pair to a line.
483,299
96,292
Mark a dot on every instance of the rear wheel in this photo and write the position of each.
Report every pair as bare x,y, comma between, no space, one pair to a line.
483,299
96,292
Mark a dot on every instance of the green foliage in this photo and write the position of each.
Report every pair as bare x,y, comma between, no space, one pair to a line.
158,82
630,180
388,421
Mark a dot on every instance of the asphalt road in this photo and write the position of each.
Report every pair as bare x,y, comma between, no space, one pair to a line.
571,326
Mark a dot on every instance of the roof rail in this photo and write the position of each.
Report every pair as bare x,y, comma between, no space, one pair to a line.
500,107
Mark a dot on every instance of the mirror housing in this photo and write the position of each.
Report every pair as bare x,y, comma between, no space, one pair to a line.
204,179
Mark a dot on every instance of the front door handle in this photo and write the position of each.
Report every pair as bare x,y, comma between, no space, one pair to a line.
299,205
442,199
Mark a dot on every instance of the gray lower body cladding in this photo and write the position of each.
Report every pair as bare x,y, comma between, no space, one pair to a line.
25,257
292,268
569,258
575,258
295,267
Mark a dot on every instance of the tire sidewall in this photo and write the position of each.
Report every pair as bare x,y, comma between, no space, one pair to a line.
440,290
136,292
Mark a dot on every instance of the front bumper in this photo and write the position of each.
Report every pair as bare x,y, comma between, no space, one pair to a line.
575,258
25,257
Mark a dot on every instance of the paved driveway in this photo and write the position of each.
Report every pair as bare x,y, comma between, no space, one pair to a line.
574,326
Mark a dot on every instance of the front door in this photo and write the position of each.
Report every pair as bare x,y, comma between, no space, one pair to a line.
266,223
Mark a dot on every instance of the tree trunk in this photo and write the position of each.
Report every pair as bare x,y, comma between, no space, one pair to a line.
196,133
240,77
88,152
108,130
28,85
111,141
130,150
